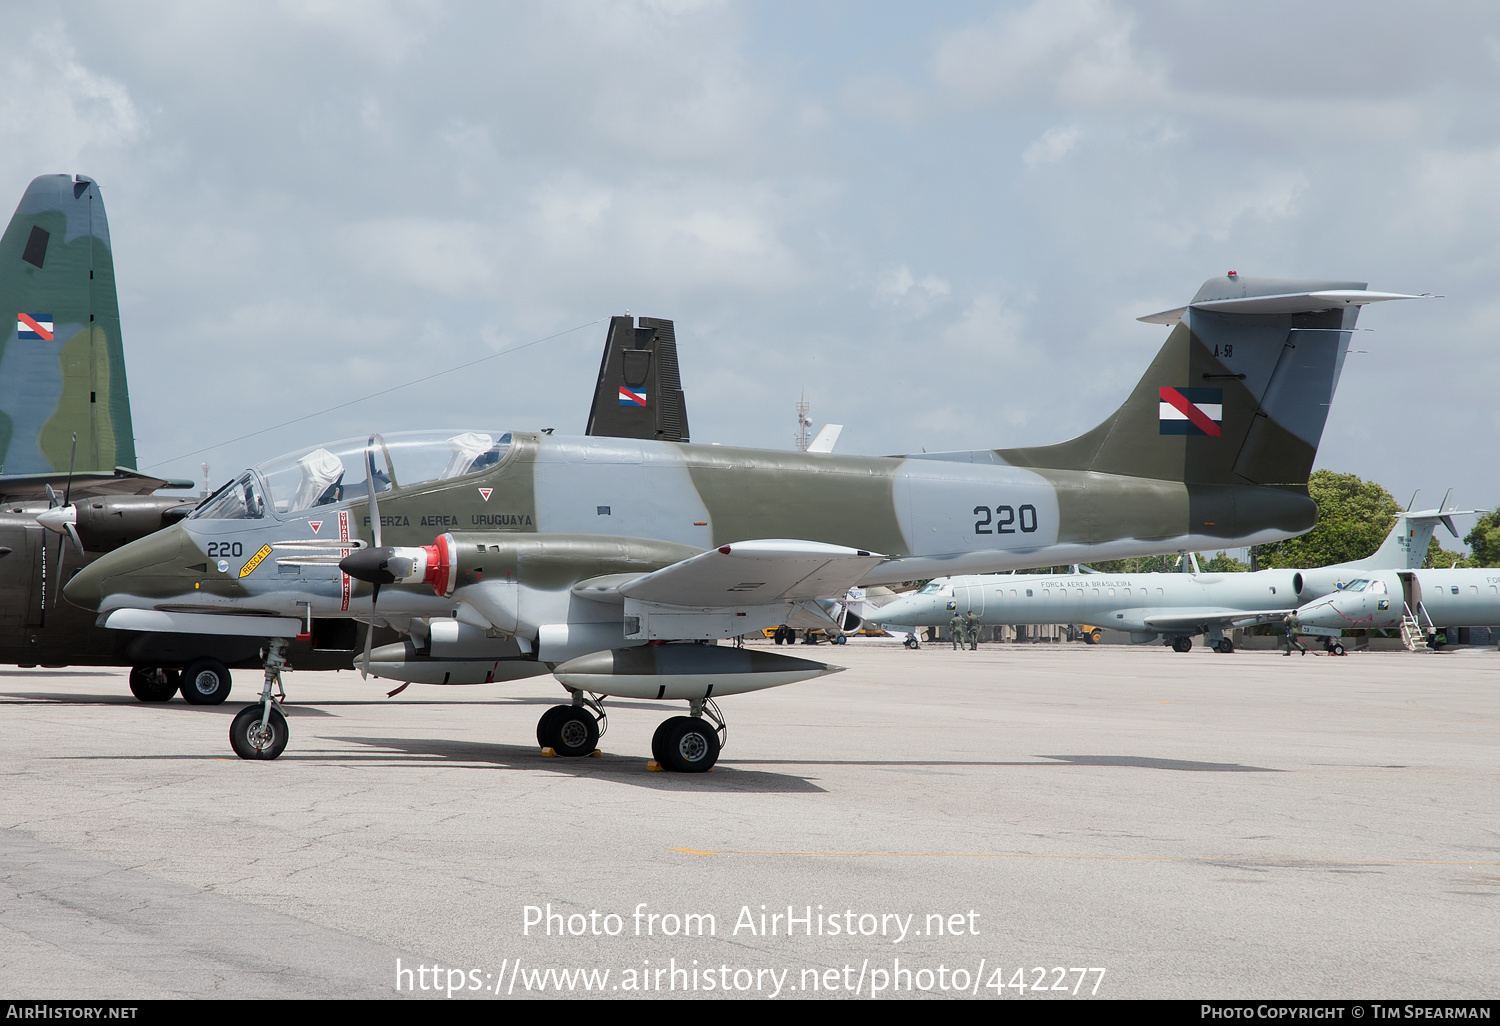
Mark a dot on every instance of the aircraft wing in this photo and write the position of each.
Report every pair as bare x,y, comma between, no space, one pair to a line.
85,484
1207,617
754,573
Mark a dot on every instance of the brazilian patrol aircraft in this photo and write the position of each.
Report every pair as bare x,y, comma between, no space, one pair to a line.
1171,606
1421,603
506,554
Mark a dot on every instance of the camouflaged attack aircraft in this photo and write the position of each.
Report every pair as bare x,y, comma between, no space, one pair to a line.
1173,607
609,563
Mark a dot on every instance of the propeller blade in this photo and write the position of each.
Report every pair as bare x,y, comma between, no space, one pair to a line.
58,590
52,500
364,667
371,484
73,534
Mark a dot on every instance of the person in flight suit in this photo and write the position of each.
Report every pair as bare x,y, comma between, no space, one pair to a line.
956,631
971,629
1291,623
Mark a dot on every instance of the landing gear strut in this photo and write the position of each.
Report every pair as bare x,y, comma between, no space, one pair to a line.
691,744
259,731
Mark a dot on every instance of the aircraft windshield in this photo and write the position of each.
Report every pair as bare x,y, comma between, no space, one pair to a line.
338,471
1359,585
934,587
240,500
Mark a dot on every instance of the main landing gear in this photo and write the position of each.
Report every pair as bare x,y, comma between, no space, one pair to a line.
1182,643
572,731
259,731
691,744
204,682
1223,646
682,744
153,683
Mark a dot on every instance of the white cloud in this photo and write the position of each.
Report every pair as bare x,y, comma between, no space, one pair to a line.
898,288
54,110
451,258
1080,51
1052,146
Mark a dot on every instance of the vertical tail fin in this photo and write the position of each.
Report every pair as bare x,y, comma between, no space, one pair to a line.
1238,394
62,363
1405,547
639,394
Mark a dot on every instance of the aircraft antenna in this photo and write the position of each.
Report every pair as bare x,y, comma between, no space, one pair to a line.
804,422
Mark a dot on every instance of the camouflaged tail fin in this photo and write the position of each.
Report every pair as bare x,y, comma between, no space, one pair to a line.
62,365
1232,398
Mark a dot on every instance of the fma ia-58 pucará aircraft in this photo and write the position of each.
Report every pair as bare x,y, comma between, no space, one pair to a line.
610,562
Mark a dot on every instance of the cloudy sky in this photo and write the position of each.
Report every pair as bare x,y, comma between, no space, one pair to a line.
940,221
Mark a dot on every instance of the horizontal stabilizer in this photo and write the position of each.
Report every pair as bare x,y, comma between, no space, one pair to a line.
1285,303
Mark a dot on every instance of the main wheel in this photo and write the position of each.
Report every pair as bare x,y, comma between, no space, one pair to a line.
1225,646
252,741
687,745
151,684
912,643
1182,644
1337,648
577,732
205,682
546,727
658,739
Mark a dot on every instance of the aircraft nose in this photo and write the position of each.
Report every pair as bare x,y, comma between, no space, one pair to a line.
125,567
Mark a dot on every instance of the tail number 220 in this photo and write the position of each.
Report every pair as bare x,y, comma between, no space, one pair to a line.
1005,519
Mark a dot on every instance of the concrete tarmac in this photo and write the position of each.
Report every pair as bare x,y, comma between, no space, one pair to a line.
1022,822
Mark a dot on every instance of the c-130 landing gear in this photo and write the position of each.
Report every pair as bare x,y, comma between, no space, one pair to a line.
259,731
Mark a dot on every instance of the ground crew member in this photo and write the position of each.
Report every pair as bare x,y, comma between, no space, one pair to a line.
956,631
1292,624
971,628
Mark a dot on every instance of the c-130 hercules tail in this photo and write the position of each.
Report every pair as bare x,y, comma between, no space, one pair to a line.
591,557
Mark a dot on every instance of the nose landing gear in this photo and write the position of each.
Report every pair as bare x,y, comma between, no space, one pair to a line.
259,731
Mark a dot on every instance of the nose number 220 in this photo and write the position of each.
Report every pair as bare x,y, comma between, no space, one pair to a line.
1005,519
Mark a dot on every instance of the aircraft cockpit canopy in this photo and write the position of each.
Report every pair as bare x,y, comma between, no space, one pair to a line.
937,587
339,471
1364,584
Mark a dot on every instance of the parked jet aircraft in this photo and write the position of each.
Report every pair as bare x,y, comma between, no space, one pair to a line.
1419,602
1172,606
508,554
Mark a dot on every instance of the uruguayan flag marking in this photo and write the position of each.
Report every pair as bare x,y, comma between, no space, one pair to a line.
34,327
